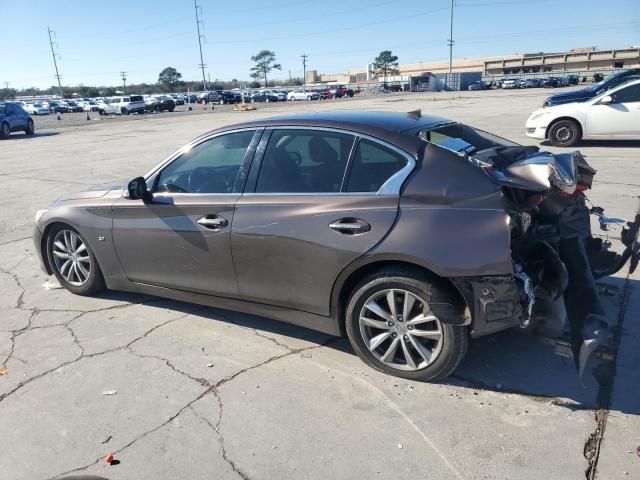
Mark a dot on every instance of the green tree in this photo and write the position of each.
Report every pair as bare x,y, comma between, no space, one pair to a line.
169,78
385,64
265,62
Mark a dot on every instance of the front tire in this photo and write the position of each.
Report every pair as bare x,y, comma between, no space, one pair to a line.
564,133
73,262
404,324
31,128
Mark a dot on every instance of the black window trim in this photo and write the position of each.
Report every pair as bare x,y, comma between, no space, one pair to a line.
391,186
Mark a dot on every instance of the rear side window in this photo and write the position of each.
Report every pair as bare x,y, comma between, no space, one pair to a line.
137,98
304,161
126,99
372,165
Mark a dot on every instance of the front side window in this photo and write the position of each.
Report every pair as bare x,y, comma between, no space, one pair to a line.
372,165
209,167
304,161
627,95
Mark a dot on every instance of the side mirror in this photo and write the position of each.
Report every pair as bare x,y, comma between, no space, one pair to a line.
137,190
606,100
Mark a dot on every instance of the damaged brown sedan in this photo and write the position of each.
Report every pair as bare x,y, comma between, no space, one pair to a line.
406,233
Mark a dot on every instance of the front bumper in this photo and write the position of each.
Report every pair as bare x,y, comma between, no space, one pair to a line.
37,242
536,130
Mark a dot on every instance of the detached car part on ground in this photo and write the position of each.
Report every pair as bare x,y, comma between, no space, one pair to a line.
404,232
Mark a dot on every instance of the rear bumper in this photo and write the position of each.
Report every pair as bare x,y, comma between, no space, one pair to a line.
495,302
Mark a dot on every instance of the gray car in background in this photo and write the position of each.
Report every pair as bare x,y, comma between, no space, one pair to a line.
406,233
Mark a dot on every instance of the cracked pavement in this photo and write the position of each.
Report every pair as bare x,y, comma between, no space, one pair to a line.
207,393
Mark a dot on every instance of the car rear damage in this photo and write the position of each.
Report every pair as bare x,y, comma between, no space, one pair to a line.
556,258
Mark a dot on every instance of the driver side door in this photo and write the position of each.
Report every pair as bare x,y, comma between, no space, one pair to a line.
618,119
180,239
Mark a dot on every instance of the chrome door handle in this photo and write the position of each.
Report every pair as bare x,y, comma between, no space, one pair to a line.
212,222
350,226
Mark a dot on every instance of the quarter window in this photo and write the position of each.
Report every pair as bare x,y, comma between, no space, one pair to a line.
304,161
209,167
372,165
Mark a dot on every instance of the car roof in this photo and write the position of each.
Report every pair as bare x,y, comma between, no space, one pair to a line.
395,127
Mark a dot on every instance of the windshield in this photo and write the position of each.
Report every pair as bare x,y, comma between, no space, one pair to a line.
479,139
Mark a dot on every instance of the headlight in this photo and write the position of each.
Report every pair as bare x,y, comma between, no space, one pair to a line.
537,116
39,214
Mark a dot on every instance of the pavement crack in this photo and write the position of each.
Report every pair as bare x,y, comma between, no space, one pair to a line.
15,240
605,375
547,399
221,440
202,381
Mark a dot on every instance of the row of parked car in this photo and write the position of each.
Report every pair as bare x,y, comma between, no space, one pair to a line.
267,95
511,83
106,105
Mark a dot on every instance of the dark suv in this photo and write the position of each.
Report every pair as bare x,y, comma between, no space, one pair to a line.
593,90
14,118
406,233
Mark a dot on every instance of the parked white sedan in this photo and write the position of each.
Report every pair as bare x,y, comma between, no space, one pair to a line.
302,95
36,109
613,115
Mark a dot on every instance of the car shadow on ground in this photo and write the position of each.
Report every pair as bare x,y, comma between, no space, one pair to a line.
509,362
24,136
601,143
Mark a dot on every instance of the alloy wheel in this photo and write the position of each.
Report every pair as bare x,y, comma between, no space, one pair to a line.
71,257
400,330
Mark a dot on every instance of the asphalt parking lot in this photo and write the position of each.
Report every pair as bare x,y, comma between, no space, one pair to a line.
180,391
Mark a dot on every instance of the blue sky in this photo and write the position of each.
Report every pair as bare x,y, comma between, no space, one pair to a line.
97,39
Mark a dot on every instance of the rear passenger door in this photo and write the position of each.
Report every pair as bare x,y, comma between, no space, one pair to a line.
305,216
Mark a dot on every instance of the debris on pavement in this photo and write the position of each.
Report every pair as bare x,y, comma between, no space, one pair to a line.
51,283
209,365
110,392
306,355
109,459
400,446
106,439
3,371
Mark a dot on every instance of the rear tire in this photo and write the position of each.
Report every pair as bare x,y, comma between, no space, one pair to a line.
76,282
437,353
31,128
564,133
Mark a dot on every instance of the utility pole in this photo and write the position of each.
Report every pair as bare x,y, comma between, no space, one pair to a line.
304,57
55,63
200,35
450,41
124,81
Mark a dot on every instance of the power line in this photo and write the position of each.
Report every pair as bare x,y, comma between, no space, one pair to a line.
55,63
200,35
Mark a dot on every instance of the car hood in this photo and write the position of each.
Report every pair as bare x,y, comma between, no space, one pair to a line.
98,191
575,96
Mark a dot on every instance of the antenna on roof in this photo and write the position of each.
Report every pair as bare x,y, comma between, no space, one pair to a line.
415,113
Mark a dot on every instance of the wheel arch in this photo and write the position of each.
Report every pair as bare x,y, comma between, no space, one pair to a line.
565,117
352,275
